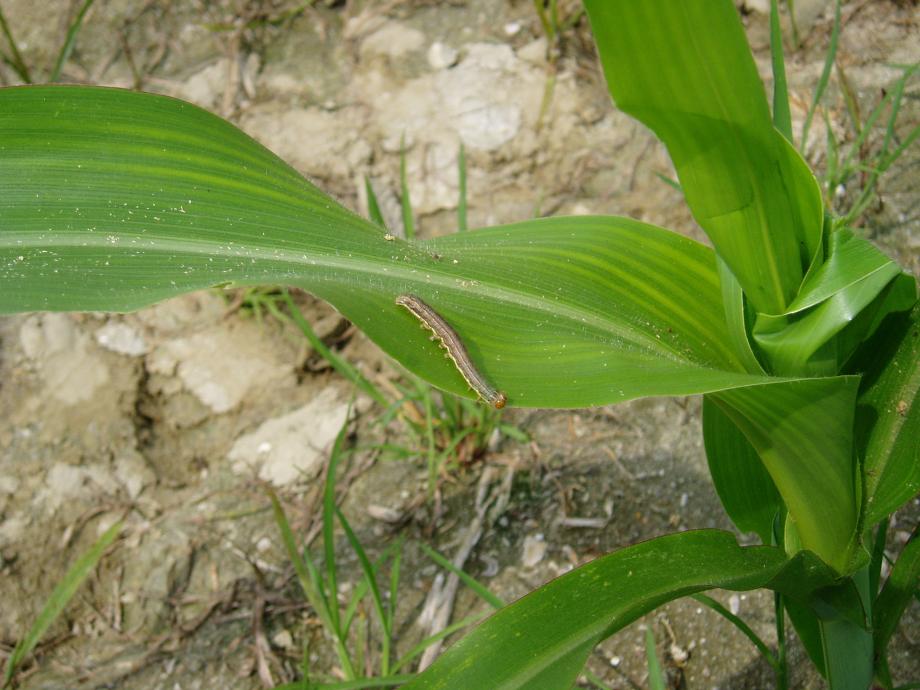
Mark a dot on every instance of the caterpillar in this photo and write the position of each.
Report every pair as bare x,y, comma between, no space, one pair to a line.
456,350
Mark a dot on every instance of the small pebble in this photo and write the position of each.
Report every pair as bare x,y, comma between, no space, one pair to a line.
534,550
734,604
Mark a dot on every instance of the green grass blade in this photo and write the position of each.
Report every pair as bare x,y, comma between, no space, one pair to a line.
306,572
69,41
394,587
15,61
59,598
356,684
832,165
825,77
855,149
329,511
405,200
656,680
363,588
373,206
596,681
782,117
850,98
461,203
370,576
875,171
424,644
340,364
480,590
743,627
674,184
902,147
311,583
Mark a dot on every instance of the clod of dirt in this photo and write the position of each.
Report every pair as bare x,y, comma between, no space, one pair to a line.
293,446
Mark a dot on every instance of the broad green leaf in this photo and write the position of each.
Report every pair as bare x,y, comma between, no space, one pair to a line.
840,304
745,488
847,644
888,416
745,183
736,318
804,344
803,433
569,615
113,200
850,260
808,628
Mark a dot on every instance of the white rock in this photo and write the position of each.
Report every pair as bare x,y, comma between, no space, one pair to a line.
71,371
220,383
283,639
534,550
442,56
393,39
133,473
121,338
534,52
206,86
317,142
8,484
12,529
734,604
294,446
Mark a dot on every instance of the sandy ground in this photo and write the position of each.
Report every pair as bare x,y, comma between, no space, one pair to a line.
175,416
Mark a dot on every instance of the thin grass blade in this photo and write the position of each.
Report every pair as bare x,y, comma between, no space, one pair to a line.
461,203
480,590
782,117
825,77
405,200
59,598
370,576
15,61
373,206
72,31
340,364
743,627
656,679
449,630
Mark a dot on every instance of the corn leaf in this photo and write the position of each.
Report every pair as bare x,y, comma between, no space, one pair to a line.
745,488
888,419
744,182
839,305
803,433
541,641
899,590
113,200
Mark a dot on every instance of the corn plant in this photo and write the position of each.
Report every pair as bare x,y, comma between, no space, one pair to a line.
801,336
